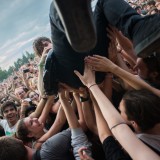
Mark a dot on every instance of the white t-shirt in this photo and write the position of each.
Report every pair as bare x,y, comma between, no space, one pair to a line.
9,131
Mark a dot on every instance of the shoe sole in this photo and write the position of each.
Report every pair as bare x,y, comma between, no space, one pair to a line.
149,45
77,20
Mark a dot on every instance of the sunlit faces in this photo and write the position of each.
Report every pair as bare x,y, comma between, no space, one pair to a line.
47,44
34,96
158,5
34,82
10,114
20,93
33,125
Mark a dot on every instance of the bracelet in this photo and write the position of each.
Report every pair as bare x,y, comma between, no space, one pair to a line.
92,85
117,125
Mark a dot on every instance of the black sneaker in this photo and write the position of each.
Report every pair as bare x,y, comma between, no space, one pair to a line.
146,38
76,17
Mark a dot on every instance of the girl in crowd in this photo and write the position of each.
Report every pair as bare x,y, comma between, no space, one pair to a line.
116,123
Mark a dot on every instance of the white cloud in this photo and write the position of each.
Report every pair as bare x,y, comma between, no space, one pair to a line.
2,58
21,23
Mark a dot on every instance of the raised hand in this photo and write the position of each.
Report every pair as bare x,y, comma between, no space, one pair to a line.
88,78
100,63
44,53
83,154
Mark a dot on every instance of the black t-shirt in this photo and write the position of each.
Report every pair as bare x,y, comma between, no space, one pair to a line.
113,151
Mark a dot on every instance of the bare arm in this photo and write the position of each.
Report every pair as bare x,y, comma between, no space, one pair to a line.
103,129
88,113
46,109
122,132
40,70
55,128
105,65
80,112
39,109
78,137
126,44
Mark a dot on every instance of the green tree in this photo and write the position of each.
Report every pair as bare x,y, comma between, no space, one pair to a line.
20,61
3,74
24,59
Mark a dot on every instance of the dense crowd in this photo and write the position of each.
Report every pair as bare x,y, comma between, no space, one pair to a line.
83,114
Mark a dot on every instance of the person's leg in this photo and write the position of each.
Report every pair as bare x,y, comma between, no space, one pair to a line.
76,17
121,15
65,59
143,31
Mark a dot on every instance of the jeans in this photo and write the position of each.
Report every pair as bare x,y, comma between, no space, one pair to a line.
121,15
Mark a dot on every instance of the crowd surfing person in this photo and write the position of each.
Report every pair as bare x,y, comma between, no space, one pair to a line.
116,13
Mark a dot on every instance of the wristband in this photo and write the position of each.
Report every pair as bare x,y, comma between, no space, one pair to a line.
92,85
117,125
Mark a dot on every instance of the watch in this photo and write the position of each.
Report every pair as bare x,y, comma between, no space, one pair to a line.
82,99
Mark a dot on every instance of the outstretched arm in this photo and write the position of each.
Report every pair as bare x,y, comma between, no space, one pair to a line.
55,128
79,138
40,71
120,130
103,64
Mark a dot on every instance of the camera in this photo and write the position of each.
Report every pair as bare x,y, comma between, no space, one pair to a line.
15,77
25,70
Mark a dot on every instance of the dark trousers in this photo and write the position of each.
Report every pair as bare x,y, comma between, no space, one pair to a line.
115,12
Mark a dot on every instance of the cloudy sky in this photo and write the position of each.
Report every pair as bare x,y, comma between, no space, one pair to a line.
21,21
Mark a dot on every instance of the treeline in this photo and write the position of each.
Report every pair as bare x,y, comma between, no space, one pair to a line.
4,74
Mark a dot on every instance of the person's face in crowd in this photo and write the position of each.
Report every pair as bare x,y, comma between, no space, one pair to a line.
158,5
148,7
33,96
36,73
125,117
10,114
34,82
153,12
145,7
20,93
139,11
33,125
141,68
47,44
